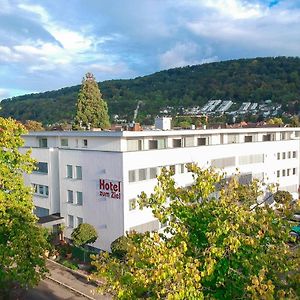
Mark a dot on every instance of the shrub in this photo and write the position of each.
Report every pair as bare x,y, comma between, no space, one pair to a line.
283,197
70,265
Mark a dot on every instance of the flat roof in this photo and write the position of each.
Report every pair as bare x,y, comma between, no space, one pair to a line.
115,134
50,218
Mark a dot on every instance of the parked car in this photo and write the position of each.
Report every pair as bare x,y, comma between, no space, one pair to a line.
295,231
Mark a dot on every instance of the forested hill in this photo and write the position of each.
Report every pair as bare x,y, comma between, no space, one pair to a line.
240,80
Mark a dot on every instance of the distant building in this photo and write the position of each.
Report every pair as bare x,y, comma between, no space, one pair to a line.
163,123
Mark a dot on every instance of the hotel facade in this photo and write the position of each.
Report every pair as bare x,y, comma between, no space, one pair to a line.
95,176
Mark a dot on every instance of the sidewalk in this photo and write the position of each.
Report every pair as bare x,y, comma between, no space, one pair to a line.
78,282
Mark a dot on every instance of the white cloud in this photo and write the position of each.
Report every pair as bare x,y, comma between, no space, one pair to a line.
4,93
37,10
236,9
7,55
249,26
183,54
73,47
57,43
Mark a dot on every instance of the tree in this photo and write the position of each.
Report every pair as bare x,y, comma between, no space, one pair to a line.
22,241
283,197
32,125
119,247
214,247
275,121
84,234
91,108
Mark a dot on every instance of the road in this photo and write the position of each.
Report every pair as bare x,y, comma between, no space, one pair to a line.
49,290
61,284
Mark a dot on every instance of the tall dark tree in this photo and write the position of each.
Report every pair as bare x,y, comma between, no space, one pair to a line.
91,108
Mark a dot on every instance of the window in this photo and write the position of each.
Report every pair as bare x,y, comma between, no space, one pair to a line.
283,136
132,176
152,173
251,159
46,190
288,171
79,221
79,199
142,174
278,173
294,171
43,143
134,145
78,170
69,171
132,204
266,137
70,221
42,167
85,143
189,141
278,155
157,144
41,190
245,179
64,142
289,154
248,139
181,168
232,138
202,141
223,162
70,196
153,144
177,143
294,154
283,172
41,211
283,155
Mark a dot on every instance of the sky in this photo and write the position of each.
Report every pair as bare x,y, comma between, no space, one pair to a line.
51,44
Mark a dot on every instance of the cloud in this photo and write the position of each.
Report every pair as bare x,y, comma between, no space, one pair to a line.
236,9
48,44
4,93
263,29
183,54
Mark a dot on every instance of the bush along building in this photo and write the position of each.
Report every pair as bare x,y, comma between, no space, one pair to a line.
95,176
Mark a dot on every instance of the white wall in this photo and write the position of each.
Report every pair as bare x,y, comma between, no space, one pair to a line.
105,215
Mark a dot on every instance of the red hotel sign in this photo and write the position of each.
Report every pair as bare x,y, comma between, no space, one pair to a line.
110,189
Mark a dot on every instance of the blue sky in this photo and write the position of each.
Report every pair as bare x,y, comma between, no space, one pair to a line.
50,44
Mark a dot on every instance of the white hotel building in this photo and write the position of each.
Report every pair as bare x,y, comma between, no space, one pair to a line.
95,176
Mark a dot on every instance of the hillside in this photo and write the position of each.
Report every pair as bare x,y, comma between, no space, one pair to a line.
240,80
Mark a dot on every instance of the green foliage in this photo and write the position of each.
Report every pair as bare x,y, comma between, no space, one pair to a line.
283,197
119,247
91,108
31,125
22,241
275,121
70,265
215,246
64,249
84,234
256,79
